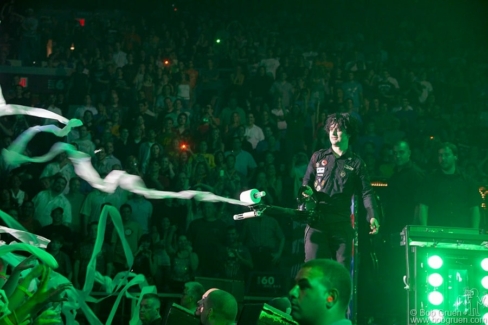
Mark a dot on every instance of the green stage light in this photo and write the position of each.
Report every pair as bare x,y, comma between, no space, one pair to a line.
435,280
436,298
485,319
484,300
484,264
435,262
436,316
484,282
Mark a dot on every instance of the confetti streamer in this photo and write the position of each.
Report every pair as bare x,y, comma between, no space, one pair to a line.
77,299
14,156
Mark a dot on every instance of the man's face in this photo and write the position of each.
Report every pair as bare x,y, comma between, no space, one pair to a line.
101,154
124,134
308,296
236,144
205,312
186,298
447,160
57,216
27,209
169,124
250,119
230,162
401,154
182,120
110,148
55,245
59,185
149,310
232,236
337,136
83,131
93,232
155,167
125,213
267,132
203,309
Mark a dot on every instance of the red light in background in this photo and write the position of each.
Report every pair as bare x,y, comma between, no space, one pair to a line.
23,82
166,62
81,21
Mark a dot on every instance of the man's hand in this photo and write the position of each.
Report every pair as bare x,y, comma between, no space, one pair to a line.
28,263
375,226
307,191
276,257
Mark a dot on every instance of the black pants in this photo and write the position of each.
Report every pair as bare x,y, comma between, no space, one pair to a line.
262,259
334,241
395,270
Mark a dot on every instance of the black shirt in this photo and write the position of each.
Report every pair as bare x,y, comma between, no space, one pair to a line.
60,230
401,194
336,181
450,198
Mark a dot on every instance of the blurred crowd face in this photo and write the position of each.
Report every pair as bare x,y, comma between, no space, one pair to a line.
126,213
401,154
149,310
447,159
59,185
27,209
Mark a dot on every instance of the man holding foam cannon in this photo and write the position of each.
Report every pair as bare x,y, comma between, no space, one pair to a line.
332,178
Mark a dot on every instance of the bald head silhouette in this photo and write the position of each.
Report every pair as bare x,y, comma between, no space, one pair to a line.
218,307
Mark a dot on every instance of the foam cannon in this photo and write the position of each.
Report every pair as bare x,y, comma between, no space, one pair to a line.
253,197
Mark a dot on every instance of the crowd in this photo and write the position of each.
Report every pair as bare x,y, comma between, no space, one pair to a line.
223,105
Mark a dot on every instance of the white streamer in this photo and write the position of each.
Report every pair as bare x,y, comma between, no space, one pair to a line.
14,156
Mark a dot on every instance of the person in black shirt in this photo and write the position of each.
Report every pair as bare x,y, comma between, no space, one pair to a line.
449,199
400,201
336,175
400,206
58,228
64,262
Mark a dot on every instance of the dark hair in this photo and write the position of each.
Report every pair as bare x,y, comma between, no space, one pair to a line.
146,238
57,237
345,122
91,224
125,206
445,145
57,209
334,276
60,176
